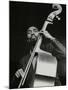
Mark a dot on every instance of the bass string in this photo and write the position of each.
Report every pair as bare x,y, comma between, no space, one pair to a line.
28,66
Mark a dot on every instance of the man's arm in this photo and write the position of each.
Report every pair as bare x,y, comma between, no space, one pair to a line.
54,45
59,45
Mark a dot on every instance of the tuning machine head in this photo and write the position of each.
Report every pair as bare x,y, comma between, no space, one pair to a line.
58,17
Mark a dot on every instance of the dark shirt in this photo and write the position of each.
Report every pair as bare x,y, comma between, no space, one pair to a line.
30,76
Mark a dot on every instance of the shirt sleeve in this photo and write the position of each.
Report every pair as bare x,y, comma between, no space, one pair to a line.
52,47
58,49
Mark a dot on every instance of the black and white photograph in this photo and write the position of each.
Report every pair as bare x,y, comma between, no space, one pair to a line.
37,44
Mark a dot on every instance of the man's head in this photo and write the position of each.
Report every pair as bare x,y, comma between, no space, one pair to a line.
32,33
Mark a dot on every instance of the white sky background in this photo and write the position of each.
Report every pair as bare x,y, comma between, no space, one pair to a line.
4,43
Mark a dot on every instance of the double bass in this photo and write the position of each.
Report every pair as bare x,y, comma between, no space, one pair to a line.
49,20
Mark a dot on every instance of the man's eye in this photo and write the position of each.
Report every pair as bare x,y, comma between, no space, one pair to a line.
29,33
35,30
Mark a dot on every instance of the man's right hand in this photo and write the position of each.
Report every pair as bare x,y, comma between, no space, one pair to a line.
19,73
47,34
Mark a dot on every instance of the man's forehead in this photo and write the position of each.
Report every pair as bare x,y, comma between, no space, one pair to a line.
32,28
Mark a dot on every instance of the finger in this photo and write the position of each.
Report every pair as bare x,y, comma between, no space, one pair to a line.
41,31
21,72
16,74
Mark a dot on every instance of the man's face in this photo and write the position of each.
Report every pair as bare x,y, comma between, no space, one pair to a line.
32,33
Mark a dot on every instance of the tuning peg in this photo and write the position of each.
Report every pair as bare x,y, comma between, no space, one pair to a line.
58,17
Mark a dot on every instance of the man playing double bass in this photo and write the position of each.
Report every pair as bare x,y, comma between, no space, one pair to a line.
50,44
